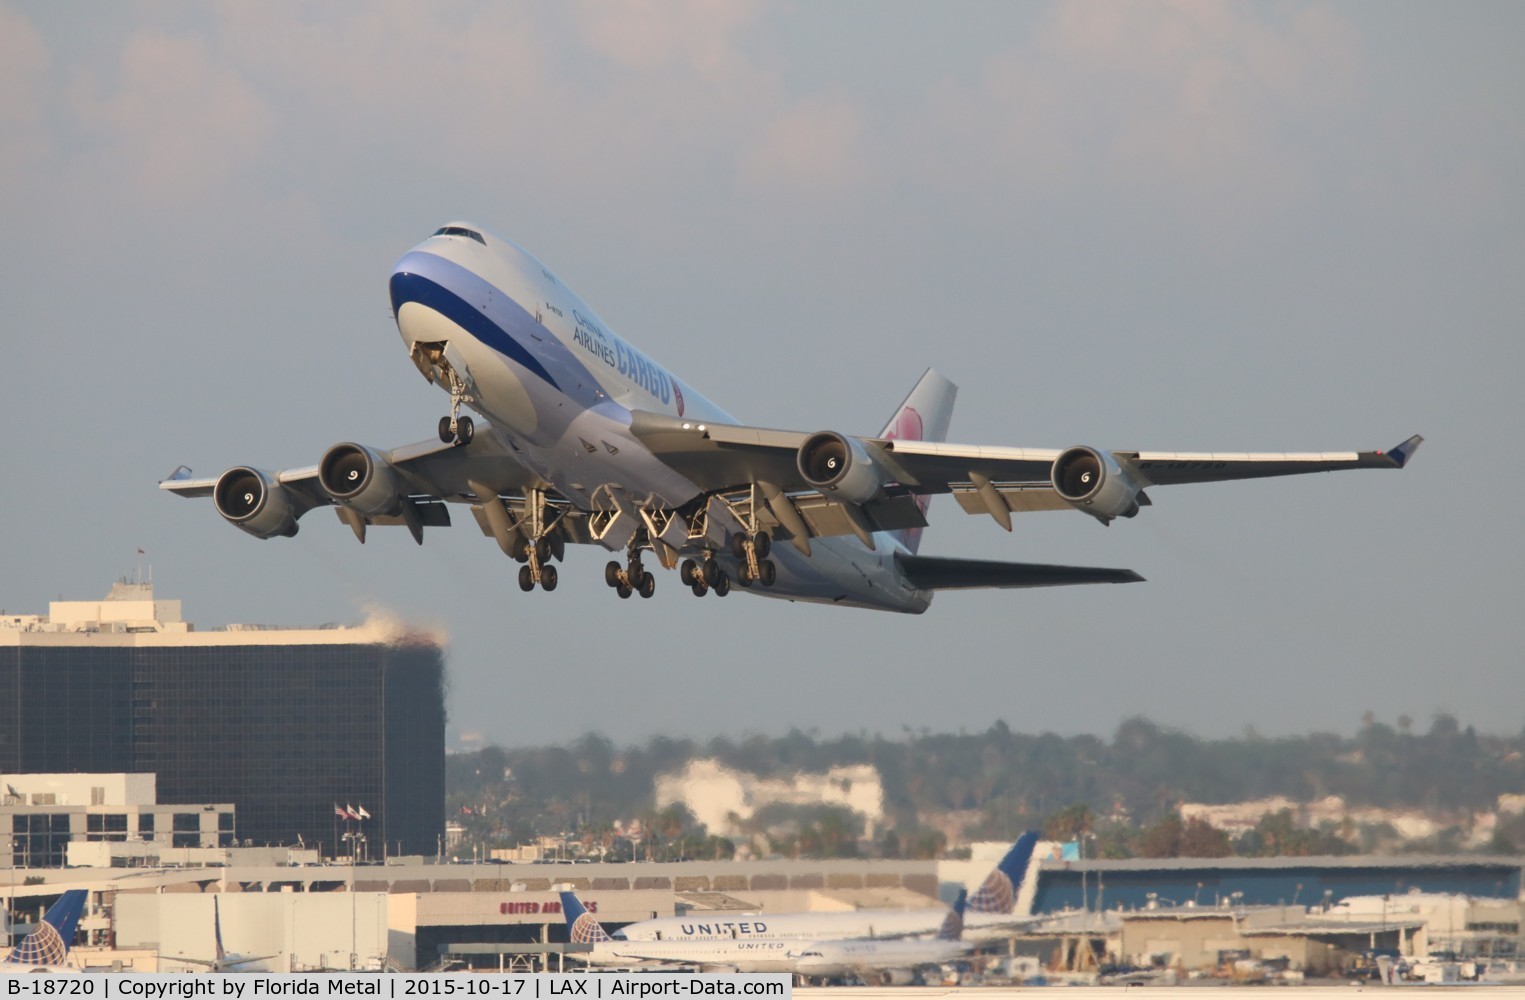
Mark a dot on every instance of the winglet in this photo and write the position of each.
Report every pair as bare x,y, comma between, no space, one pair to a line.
1405,451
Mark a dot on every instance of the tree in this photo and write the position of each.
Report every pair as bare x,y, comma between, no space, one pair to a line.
1200,839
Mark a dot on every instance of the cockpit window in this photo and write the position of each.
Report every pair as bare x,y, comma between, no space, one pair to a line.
460,231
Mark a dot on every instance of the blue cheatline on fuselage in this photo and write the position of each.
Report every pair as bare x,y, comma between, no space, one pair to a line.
442,291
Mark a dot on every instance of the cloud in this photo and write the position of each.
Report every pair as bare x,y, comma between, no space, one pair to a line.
179,123
811,147
25,142
1200,110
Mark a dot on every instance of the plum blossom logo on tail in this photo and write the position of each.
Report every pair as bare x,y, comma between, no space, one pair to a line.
908,426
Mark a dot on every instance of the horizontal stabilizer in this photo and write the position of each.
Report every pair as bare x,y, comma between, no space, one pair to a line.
936,573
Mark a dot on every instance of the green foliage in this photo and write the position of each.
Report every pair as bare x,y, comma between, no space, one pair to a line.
1123,792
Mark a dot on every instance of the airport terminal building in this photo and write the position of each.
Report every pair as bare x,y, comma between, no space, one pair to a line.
284,723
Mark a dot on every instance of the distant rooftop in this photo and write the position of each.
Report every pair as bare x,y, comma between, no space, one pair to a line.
130,614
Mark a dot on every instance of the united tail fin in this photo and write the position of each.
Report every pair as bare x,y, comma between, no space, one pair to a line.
49,942
582,926
924,416
953,924
998,893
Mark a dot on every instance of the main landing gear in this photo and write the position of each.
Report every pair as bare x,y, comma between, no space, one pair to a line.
633,579
704,576
537,555
752,550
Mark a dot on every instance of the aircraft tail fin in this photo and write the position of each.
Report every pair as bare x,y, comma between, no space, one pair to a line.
49,942
217,930
923,416
998,893
953,924
582,926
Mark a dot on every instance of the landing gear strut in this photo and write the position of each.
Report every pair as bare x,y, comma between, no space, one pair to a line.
456,427
536,555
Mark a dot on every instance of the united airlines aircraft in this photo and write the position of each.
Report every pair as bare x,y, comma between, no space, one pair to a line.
586,440
46,948
991,908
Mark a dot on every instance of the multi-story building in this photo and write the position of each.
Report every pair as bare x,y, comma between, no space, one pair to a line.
284,723
41,814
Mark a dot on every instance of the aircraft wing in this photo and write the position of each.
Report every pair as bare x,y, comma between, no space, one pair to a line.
983,478
426,475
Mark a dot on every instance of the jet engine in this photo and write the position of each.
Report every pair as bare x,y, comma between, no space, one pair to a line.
839,467
896,977
251,500
358,477
1091,481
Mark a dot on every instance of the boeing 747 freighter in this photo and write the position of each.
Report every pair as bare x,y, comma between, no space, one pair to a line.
587,440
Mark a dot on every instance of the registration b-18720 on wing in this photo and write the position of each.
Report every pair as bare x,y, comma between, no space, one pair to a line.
585,440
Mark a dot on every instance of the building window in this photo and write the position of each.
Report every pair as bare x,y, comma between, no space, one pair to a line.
187,823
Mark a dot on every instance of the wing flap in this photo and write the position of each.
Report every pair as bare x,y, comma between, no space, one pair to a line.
939,573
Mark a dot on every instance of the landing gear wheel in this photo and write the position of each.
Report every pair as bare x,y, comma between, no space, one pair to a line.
445,433
711,572
648,585
739,546
744,575
699,588
722,586
763,542
526,579
464,430
548,578
543,550
623,589
688,572
767,572
521,547
612,573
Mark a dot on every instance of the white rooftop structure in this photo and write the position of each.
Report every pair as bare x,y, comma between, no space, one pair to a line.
130,615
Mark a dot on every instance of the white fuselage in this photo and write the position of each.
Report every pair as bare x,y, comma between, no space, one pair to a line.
788,926
558,387
749,955
833,959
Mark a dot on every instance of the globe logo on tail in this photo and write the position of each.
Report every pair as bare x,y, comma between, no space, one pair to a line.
44,946
587,930
995,895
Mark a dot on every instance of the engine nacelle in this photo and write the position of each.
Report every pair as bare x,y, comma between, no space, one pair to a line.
839,467
251,500
1091,481
896,977
358,477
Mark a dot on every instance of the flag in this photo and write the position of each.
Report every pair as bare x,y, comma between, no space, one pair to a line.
362,813
339,811
351,810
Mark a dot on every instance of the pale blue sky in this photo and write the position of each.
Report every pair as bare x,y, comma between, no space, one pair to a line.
1180,226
